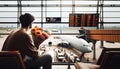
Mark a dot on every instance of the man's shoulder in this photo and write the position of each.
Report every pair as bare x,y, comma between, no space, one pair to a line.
19,33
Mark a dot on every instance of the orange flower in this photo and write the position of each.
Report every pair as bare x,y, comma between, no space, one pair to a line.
38,32
33,30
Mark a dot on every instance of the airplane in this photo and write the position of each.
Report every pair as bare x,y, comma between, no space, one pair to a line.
78,43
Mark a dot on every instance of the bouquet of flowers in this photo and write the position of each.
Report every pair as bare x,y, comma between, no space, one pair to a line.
39,35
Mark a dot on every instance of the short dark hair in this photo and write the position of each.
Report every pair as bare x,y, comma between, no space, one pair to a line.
26,19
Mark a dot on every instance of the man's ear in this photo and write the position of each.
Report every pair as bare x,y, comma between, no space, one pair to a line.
30,25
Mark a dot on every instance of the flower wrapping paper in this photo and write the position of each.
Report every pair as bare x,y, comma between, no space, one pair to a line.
39,35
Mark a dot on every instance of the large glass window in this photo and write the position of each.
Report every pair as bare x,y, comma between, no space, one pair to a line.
41,9
8,13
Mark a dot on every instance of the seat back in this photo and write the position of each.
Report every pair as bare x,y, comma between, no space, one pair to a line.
11,60
111,60
103,52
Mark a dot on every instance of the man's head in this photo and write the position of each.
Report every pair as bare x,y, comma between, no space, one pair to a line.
26,20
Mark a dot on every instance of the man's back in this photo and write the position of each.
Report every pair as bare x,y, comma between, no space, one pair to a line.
20,40
13,40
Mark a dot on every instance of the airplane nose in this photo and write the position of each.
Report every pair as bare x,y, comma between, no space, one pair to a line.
89,49
86,49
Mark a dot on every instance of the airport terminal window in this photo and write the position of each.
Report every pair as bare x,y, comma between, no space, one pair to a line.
29,8
4,9
43,9
58,8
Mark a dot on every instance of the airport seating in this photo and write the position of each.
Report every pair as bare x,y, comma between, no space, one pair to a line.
109,59
11,60
103,52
